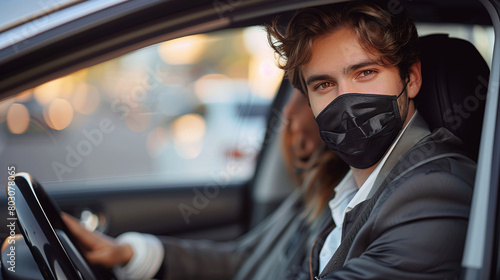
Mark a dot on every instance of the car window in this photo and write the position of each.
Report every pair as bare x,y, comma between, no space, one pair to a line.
482,37
182,111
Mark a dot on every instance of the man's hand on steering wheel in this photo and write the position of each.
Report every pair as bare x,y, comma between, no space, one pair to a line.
99,248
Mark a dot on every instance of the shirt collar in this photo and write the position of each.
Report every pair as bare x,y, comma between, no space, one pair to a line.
344,192
347,195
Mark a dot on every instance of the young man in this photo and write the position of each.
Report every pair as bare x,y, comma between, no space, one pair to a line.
402,210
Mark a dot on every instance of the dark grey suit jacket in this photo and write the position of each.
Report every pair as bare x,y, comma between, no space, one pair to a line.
418,225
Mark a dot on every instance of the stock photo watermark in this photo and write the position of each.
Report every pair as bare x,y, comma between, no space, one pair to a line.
461,111
75,155
138,93
11,220
224,6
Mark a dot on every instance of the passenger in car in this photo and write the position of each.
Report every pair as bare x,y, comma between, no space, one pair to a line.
276,248
401,212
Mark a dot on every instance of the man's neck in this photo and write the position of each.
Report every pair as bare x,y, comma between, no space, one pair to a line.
360,175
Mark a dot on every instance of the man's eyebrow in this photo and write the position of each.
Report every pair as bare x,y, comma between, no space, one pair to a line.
354,67
315,78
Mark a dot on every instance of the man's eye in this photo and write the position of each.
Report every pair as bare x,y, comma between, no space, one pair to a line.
366,73
324,85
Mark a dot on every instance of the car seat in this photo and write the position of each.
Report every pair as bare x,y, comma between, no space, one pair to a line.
454,86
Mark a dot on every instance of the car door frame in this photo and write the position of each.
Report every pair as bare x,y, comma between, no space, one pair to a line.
480,259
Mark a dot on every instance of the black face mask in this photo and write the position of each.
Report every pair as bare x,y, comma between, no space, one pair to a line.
360,128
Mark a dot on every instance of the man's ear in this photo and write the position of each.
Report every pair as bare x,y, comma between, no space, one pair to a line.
415,82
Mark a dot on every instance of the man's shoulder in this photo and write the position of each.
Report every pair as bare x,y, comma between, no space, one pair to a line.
436,179
421,212
439,152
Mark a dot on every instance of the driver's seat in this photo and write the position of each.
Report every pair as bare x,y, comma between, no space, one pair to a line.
454,86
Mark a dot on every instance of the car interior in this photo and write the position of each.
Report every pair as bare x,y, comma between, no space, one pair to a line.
223,206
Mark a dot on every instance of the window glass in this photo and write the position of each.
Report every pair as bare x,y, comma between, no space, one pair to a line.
482,37
183,111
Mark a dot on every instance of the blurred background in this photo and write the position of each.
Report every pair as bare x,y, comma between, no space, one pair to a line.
180,111
183,111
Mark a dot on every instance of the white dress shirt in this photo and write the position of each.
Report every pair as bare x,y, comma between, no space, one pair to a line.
146,260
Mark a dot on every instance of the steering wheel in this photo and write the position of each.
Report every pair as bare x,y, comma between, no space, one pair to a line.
47,236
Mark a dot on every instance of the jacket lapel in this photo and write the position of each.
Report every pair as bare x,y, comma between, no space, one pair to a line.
313,259
416,130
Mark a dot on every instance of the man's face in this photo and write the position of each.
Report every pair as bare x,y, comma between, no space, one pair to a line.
340,65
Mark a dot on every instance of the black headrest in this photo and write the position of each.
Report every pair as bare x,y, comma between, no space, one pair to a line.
454,86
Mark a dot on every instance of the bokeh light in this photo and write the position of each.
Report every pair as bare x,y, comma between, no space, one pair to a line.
130,87
86,98
185,50
188,132
264,76
47,92
59,114
188,128
62,87
214,88
18,118
80,76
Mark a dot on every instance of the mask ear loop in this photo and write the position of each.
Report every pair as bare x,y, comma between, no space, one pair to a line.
404,88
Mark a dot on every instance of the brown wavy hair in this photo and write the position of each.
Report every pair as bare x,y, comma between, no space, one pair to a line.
392,36
317,177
